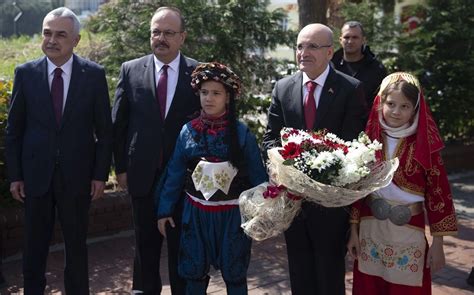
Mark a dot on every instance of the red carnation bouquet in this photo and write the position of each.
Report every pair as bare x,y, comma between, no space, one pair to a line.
313,166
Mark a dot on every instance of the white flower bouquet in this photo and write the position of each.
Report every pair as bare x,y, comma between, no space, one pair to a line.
317,167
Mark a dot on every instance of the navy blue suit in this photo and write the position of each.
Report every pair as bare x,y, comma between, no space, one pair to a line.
58,162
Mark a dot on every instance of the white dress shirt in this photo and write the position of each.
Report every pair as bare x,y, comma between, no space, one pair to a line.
173,74
320,80
66,75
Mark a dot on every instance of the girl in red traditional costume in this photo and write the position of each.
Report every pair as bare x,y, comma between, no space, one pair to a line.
387,239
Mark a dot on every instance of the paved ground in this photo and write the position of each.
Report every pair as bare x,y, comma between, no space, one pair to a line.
110,260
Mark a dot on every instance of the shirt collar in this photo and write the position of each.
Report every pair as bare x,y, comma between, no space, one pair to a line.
320,80
66,67
174,65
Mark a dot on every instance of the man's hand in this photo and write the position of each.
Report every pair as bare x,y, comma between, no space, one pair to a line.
122,181
162,224
17,189
97,189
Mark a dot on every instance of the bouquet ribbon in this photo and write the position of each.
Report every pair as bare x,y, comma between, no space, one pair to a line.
274,191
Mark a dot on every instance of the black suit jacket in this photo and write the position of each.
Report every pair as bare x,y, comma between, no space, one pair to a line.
341,107
143,143
81,144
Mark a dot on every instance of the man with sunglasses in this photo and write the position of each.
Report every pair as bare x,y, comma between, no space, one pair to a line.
153,100
315,98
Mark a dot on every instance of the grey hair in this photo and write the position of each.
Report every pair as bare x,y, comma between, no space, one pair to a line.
355,24
67,13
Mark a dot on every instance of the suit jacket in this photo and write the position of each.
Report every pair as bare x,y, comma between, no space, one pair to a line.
143,143
341,109
82,143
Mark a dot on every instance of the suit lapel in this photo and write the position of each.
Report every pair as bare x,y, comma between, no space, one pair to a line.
149,82
327,97
44,93
296,101
78,76
184,78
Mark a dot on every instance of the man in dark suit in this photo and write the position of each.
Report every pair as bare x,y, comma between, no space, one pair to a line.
58,149
317,97
153,100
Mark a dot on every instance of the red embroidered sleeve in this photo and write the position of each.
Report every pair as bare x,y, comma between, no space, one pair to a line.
439,199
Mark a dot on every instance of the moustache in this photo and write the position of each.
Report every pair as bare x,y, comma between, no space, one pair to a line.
162,44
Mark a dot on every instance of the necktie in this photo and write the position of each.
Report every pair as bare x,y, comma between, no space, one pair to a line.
161,90
57,93
310,105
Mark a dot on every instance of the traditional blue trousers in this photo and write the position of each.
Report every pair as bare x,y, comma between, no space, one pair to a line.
213,238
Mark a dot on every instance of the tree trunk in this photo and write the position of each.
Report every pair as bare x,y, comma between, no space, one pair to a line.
312,11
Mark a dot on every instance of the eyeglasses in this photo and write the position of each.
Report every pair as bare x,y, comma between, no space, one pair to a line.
166,34
310,47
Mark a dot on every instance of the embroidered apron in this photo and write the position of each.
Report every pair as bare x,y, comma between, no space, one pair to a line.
394,253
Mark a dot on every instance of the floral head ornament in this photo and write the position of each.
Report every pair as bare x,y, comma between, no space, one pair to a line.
401,76
214,71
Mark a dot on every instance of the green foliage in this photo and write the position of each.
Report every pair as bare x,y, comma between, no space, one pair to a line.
125,26
235,33
15,51
440,52
5,93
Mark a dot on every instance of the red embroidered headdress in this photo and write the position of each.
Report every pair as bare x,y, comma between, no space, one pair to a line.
428,139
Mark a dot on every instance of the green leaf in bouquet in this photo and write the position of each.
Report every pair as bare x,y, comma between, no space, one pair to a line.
288,162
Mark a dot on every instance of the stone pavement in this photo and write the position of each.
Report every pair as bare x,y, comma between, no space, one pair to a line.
110,260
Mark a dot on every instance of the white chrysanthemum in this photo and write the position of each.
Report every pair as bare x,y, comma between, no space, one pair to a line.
339,154
361,155
363,138
296,138
375,145
334,138
351,173
323,160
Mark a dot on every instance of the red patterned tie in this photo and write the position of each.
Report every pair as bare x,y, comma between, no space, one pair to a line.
57,93
162,89
310,105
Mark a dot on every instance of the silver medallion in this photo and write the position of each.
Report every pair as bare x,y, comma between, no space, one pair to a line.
400,215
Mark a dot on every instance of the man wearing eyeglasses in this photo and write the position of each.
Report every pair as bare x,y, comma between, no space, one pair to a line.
357,60
153,100
317,97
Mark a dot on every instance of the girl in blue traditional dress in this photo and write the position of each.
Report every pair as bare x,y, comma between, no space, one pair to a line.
215,159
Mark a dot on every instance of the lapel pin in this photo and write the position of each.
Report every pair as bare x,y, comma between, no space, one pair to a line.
331,91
